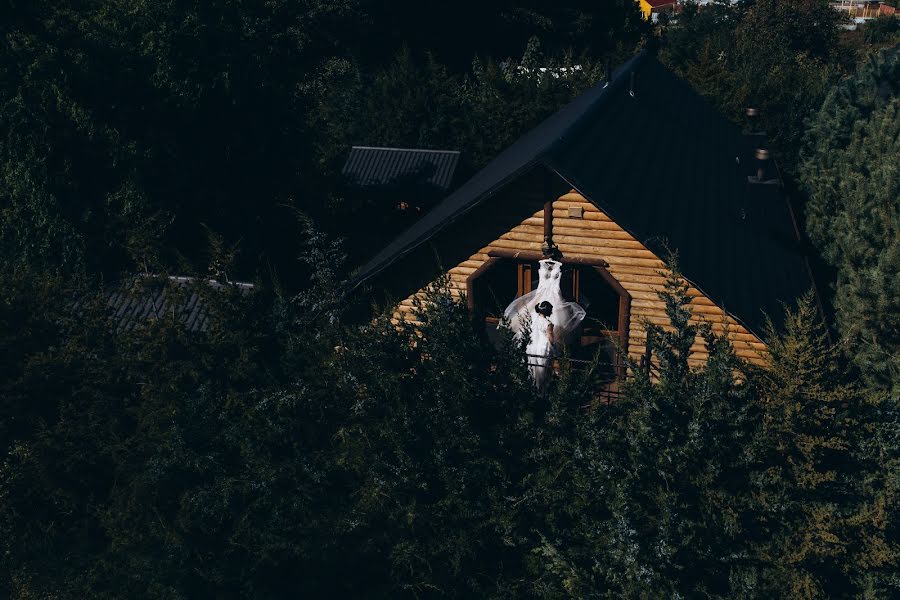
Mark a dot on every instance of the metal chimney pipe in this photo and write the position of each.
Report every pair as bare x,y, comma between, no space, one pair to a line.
762,155
752,118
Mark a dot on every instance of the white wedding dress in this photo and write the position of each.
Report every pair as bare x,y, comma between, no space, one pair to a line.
565,319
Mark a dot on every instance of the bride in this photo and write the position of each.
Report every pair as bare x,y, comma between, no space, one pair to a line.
551,319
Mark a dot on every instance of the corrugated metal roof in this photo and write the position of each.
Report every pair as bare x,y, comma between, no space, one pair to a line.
148,297
369,167
656,157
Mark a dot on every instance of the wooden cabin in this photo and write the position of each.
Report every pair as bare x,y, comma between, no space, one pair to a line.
612,192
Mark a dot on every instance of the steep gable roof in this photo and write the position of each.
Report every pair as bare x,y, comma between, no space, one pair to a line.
663,164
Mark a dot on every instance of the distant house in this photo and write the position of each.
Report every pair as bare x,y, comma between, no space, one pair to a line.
860,11
649,8
578,187
541,73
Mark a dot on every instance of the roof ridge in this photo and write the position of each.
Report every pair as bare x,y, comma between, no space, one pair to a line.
404,149
612,84
595,144
533,156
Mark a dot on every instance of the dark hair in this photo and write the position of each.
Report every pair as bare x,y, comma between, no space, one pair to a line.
544,308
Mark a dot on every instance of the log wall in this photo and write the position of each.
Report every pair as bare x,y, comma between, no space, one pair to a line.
637,269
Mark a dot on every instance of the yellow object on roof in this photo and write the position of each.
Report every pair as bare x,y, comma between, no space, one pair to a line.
648,7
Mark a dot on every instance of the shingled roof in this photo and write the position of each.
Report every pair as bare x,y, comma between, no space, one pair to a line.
664,165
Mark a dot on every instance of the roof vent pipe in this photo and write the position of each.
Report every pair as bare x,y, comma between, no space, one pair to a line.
762,155
631,91
752,116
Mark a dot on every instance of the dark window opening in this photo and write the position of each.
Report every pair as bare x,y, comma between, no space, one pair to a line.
502,283
601,303
599,299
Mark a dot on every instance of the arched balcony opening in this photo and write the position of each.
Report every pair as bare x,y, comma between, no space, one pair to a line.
506,275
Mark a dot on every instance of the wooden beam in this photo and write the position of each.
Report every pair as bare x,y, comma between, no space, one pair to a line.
512,254
532,256
624,333
548,222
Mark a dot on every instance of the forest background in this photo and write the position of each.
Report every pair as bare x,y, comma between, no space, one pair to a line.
290,450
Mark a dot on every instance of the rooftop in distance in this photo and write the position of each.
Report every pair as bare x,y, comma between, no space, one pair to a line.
372,167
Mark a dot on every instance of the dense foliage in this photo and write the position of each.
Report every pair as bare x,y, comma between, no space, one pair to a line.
282,451
289,450
853,179
778,56
128,128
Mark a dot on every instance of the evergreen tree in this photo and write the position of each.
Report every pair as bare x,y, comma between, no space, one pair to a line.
283,451
503,100
813,531
676,523
648,501
853,213
163,462
711,76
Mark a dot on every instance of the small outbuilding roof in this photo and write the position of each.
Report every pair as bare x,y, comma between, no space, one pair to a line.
373,167
666,167
145,298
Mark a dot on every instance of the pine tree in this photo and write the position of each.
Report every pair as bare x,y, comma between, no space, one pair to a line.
713,77
853,180
813,532
657,477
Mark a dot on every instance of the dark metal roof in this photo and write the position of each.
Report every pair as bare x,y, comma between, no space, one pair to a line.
665,166
147,297
370,167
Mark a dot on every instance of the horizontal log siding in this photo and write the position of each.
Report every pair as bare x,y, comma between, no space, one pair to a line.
638,269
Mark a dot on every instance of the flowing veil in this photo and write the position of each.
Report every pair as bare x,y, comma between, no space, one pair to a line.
565,318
